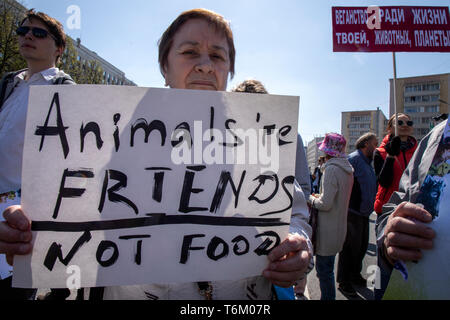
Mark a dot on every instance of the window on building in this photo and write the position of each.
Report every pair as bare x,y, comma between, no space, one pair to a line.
434,97
410,109
432,109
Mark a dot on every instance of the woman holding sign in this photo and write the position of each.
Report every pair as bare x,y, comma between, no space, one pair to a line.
197,52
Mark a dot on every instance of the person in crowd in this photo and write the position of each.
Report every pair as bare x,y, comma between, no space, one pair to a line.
392,157
197,52
318,172
360,208
332,205
250,86
301,168
402,229
41,43
303,177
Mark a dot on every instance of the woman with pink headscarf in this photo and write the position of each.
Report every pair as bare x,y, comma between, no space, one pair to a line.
332,205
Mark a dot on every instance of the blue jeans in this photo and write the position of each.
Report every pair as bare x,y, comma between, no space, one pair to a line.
325,273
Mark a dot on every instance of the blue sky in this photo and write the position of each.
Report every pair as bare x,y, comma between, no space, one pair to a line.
286,44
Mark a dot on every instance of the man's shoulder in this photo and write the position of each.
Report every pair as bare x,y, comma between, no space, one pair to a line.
354,157
9,76
7,85
62,78
355,153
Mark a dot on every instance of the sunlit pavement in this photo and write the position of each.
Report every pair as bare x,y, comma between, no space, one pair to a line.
369,260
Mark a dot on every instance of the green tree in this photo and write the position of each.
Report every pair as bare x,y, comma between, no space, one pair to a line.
82,72
11,14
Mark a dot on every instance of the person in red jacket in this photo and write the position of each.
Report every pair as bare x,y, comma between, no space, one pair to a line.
392,158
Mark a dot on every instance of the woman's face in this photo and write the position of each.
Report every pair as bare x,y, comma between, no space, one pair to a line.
198,58
404,129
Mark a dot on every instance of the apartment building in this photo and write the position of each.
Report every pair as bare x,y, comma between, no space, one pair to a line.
422,98
356,123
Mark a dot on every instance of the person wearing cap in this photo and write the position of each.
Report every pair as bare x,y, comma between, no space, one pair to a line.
332,205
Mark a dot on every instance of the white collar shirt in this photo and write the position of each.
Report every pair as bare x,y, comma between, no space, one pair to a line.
12,127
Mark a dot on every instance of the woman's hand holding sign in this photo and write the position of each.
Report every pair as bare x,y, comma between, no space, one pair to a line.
407,233
288,261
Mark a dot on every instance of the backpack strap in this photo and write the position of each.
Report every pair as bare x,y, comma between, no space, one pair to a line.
7,79
4,85
65,79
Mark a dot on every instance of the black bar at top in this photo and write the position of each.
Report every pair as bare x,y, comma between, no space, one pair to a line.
153,220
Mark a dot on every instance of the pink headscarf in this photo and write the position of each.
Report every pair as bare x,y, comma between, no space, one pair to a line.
333,145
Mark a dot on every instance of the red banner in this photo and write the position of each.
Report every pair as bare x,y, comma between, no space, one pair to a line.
391,29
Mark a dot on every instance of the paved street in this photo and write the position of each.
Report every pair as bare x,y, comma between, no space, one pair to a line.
370,259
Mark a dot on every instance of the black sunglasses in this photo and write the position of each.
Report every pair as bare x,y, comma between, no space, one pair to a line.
409,123
37,32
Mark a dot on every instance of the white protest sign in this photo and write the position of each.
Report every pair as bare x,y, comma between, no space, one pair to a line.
428,278
136,185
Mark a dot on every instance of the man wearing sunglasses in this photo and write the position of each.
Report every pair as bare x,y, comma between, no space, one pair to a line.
41,43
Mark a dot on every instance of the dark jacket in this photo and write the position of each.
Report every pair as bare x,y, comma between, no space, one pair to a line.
389,170
364,185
